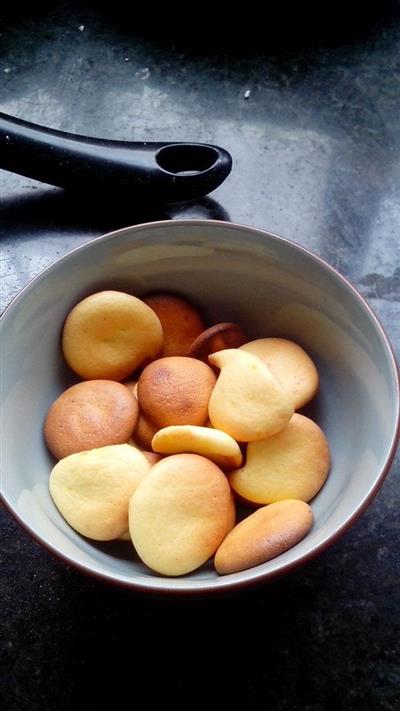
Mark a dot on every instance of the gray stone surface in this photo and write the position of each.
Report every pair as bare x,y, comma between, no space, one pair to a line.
312,122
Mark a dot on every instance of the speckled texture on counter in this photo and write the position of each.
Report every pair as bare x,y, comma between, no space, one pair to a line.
312,122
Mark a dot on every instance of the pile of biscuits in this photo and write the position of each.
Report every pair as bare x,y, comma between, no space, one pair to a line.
172,423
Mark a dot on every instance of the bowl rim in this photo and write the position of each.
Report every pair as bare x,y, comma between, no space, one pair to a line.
225,585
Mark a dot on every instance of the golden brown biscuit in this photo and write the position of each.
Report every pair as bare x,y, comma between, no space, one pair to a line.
218,446
180,321
110,334
91,414
292,464
175,391
180,513
216,338
92,489
290,364
263,535
144,432
248,402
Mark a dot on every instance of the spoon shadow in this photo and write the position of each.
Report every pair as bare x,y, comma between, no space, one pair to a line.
51,208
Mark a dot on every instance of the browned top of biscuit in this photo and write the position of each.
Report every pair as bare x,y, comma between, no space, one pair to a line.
217,338
264,535
176,391
88,415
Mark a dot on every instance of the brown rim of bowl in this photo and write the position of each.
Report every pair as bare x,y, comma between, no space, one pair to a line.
224,585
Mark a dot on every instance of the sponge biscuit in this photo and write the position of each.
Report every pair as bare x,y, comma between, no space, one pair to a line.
180,321
263,535
92,489
248,402
290,364
88,415
175,391
180,514
292,464
110,334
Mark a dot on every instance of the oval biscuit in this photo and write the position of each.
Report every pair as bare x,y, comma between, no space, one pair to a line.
180,513
263,535
92,489
292,464
218,446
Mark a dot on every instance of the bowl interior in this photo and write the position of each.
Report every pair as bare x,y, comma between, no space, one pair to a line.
233,273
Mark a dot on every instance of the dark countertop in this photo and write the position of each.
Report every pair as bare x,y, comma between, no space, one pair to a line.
316,150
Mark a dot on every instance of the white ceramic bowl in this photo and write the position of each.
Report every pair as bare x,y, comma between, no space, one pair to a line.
272,287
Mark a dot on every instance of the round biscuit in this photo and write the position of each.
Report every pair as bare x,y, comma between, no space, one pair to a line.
290,364
175,391
110,334
88,415
292,464
181,322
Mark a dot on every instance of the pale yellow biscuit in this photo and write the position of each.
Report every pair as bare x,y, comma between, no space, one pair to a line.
180,513
110,334
290,364
92,489
218,446
248,401
292,464
263,535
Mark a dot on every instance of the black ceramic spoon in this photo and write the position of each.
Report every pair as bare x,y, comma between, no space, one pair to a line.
167,172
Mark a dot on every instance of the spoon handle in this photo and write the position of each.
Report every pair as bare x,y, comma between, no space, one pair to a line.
168,172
